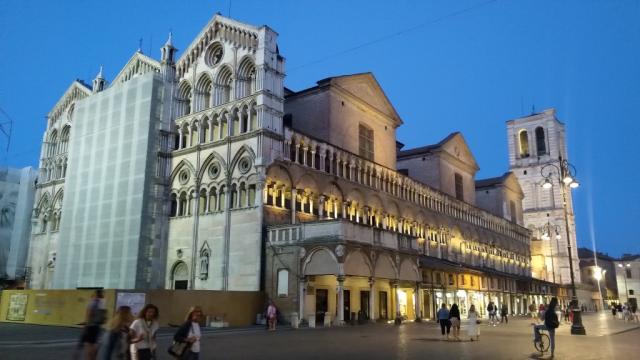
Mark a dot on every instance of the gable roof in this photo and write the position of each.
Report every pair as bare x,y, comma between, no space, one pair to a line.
364,87
445,146
76,91
507,179
138,64
233,31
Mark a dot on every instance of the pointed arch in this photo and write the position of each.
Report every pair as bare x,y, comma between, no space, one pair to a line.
184,98
321,261
45,202
210,158
385,268
58,199
409,271
183,163
357,264
244,149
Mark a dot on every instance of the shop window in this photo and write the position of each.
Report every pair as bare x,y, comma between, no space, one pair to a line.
438,279
451,282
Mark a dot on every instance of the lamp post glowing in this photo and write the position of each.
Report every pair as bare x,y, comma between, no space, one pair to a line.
565,175
624,275
598,274
546,230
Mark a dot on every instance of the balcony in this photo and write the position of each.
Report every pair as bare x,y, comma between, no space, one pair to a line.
339,230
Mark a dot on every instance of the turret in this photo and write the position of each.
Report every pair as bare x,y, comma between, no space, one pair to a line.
99,83
167,59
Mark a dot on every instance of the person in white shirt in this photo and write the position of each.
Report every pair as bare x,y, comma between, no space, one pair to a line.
189,333
145,327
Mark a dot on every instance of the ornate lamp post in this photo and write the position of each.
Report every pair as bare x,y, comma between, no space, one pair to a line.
564,174
546,230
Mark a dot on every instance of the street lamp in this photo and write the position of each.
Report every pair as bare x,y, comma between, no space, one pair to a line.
546,230
624,275
598,274
565,175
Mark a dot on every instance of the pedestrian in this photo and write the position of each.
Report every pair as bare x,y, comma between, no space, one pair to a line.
614,310
145,327
272,315
95,316
550,324
443,320
532,311
189,333
454,320
118,336
503,314
541,311
491,312
634,312
566,313
473,331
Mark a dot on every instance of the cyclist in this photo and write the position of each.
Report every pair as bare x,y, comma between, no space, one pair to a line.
550,324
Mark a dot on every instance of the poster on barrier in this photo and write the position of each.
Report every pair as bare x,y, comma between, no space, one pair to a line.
133,300
17,307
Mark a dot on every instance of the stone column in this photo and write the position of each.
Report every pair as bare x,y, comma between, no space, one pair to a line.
313,158
365,215
321,207
372,299
394,286
297,159
344,209
293,205
302,290
180,138
418,302
340,304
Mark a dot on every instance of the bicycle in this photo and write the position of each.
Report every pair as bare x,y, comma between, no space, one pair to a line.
542,342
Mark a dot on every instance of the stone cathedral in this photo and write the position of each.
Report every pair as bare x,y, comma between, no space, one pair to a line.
203,171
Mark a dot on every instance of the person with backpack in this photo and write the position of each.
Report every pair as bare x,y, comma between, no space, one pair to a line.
189,335
550,324
454,320
491,309
503,314
95,316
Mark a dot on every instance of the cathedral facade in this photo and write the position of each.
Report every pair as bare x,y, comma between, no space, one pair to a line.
237,183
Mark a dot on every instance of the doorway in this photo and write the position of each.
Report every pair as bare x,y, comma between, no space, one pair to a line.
383,305
180,276
322,305
364,305
347,305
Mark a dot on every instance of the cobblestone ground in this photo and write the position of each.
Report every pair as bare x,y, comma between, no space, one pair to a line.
606,338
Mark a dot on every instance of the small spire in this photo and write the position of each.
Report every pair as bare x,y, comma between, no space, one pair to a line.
100,75
169,40
139,46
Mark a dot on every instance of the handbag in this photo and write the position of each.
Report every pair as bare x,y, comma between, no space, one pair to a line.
178,348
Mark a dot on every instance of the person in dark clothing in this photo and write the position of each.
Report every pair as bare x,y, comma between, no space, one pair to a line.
454,320
503,314
551,323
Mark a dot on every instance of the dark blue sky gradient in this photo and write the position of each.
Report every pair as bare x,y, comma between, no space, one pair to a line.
469,72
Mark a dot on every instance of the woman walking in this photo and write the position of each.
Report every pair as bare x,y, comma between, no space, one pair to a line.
190,333
272,315
551,322
118,335
472,330
143,344
443,320
454,319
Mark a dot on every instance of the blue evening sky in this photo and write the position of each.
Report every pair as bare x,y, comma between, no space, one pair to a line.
471,66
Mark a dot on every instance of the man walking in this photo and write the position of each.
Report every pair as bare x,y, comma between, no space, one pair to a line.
503,314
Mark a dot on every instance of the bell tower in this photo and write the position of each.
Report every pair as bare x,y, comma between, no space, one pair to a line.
535,141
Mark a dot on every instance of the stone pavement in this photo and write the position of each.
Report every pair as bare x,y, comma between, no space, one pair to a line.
606,338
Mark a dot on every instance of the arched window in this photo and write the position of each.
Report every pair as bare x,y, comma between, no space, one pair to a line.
203,92
182,205
223,198
222,86
234,197
524,144
52,144
283,282
541,141
194,134
64,139
246,78
252,195
253,118
242,196
184,136
174,205
202,202
213,199
184,99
